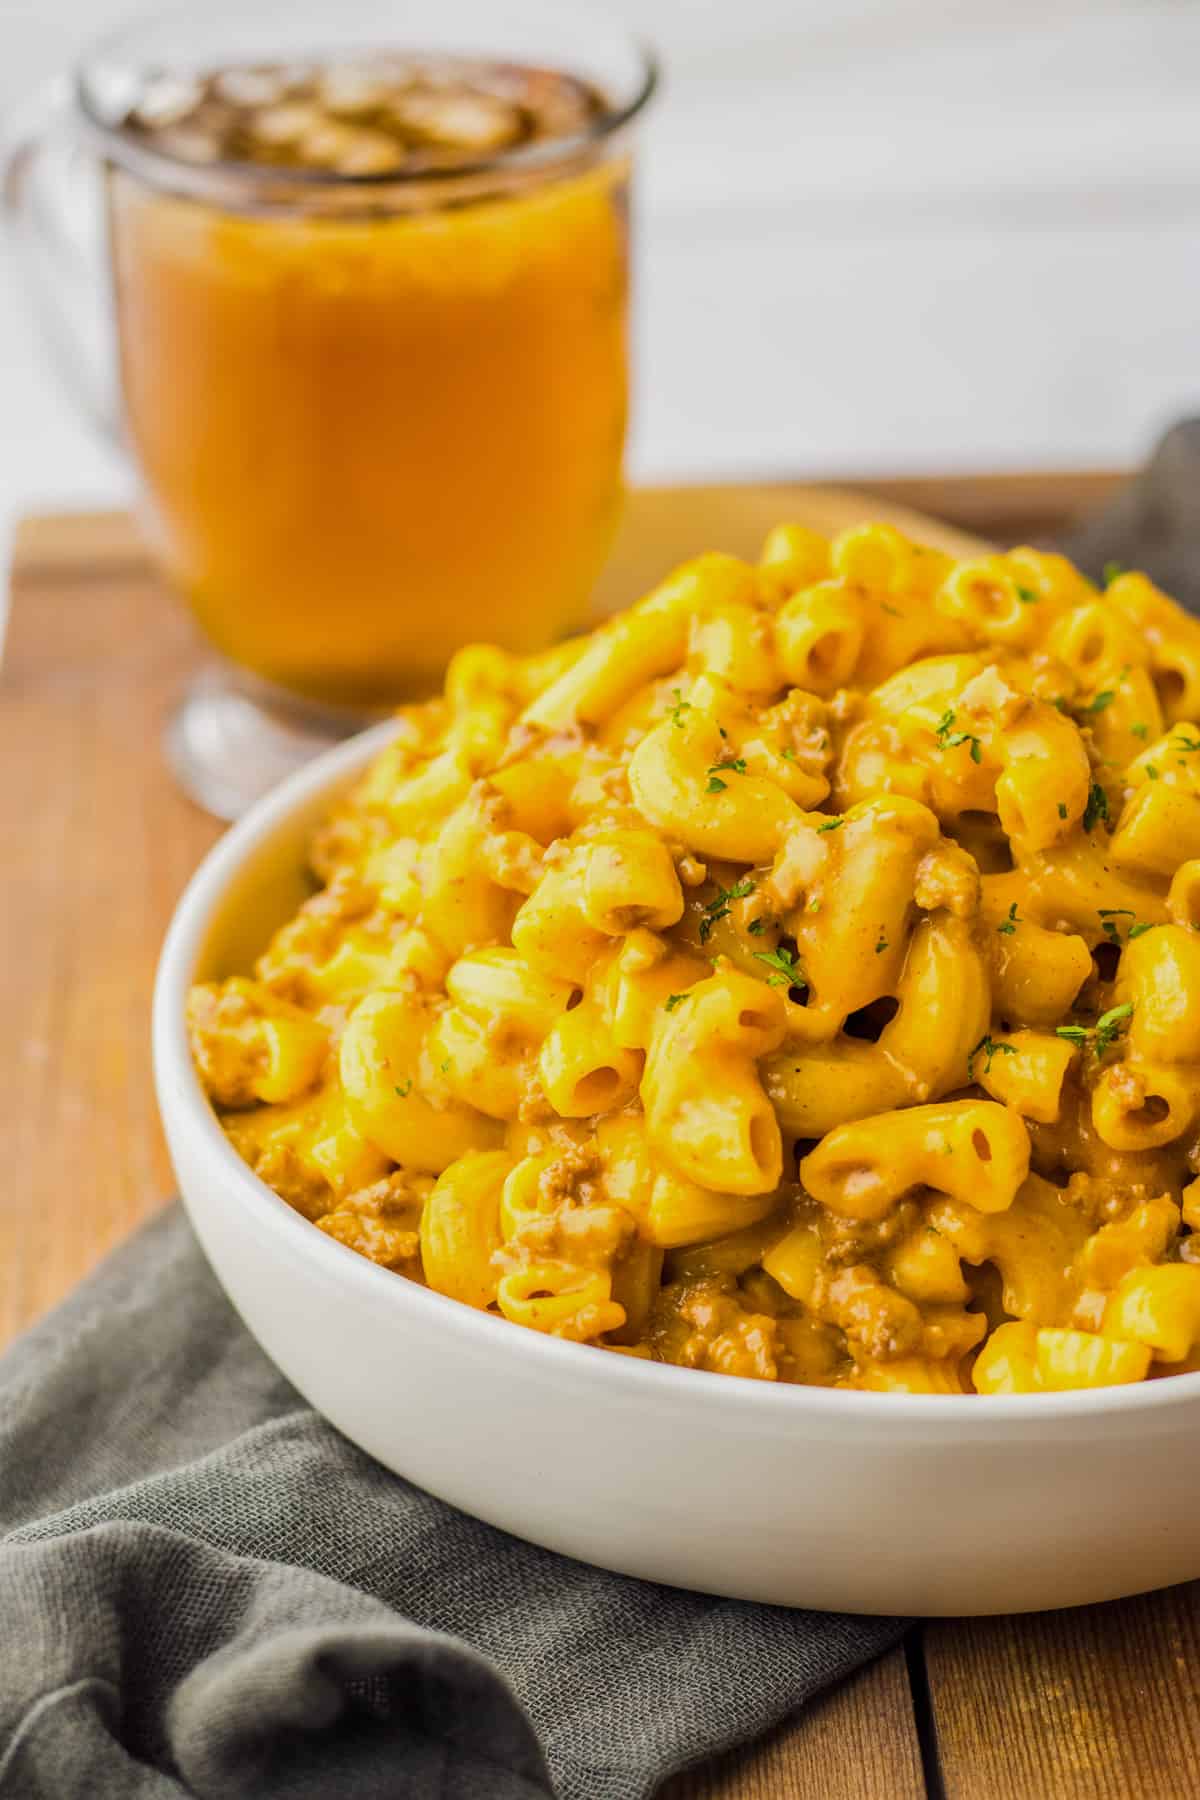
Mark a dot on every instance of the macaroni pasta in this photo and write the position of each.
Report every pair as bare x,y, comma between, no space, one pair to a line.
797,978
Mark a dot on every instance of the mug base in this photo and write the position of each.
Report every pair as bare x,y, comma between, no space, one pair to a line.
229,742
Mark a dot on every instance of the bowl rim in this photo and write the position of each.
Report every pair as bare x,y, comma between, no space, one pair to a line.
179,1089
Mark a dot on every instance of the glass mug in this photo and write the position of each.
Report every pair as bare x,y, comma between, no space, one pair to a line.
377,411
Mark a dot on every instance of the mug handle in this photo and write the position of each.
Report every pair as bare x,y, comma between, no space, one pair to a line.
52,205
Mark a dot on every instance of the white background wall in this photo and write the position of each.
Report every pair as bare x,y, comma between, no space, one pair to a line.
877,235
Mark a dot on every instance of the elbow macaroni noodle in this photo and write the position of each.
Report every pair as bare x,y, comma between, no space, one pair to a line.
797,978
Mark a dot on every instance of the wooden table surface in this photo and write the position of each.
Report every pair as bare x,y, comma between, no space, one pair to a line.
1097,1704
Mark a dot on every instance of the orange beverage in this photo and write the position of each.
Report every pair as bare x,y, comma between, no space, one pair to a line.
380,411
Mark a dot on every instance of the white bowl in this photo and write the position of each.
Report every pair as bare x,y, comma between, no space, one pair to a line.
801,1496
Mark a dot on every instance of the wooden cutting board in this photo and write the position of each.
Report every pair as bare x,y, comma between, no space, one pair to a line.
95,845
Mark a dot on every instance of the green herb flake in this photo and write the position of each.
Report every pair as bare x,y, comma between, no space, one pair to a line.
1099,702
1009,925
1140,729
673,1001
788,754
1111,571
675,713
1151,772
830,825
757,927
1182,742
1062,810
1103,1034
735,766
1108,920
1135,931
1027,595
1109,1024
719,908
949,739
989,1047
444,1067
884,606
786,968
882,944
404,1090
1096,808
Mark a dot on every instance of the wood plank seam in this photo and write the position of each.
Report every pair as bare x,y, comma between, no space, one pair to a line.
924,1719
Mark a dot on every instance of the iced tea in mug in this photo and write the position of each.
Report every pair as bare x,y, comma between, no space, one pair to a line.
367,438
369,266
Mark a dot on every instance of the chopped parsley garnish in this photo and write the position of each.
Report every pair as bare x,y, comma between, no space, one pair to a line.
444,1068
1151,771
830,825
1108,1025
1137,930
1185,743
1108,921
673,1001
719,908
1111,572
949,739
757,927
881,944
1102,1034
715,771
787,753
1027,596
989,1046
404,1090
1140,729
1009,925
1062,810
786,967
675,713
894,610
1098,702
1096,808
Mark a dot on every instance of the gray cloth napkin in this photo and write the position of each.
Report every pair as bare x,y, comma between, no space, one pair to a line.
206,1590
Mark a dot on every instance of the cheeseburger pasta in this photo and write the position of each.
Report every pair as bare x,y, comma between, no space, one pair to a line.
797,978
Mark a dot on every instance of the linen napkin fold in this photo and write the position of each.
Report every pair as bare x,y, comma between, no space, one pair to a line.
206,1590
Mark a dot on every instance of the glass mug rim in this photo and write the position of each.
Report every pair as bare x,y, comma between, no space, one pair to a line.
159,168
